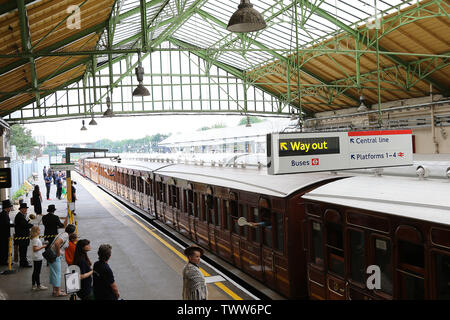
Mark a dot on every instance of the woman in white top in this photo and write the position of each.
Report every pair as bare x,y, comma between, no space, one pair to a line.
37,246
58,245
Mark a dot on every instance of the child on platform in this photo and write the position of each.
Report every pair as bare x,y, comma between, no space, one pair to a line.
37,246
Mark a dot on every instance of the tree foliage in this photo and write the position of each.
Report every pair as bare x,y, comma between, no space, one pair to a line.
252,119
146,144
214,126
22,139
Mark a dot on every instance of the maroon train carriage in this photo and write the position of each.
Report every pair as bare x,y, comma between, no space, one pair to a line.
401,225
204,203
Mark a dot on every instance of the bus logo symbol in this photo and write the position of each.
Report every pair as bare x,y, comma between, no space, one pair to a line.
315,161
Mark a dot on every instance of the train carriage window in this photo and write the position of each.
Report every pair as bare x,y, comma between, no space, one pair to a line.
190,202
234,216
173,196
383,259
279,231
244,213
357,256
317,242
255,233
197,207
442,269
218,211
226,214
266,217
205,215
335,248
411,263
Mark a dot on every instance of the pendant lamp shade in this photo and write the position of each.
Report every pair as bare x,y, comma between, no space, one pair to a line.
93,122
246,19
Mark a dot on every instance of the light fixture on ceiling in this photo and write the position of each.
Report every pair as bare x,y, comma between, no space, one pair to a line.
362,107
246,19
108,113
83,128
140,90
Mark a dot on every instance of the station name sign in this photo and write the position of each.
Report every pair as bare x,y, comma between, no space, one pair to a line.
310,152
62,166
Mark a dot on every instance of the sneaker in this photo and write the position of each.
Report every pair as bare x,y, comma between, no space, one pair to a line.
34,288
41,287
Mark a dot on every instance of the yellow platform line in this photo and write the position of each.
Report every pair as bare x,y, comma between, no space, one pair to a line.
172,248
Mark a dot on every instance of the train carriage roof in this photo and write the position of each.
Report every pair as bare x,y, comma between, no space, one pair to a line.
248,179
427,200
252,180
135,165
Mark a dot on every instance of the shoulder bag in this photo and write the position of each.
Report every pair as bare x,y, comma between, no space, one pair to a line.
48,253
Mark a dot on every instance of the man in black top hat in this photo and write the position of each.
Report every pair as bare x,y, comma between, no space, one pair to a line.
5,231
22,231
51,223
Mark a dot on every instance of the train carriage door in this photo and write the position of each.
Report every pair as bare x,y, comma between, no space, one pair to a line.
410,263
335,255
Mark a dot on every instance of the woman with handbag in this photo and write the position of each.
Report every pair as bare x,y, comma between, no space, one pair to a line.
57,246
36,200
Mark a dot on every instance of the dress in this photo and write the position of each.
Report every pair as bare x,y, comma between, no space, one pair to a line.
55,267
37,202
85,292
194,284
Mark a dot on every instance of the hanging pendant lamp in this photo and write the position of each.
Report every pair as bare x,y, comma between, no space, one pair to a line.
362,107
140,90
246,19
92,122
108,113
83,128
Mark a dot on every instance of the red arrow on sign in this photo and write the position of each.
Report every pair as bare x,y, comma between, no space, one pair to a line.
401,154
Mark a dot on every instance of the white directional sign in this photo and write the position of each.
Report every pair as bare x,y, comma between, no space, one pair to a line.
62,166
309,152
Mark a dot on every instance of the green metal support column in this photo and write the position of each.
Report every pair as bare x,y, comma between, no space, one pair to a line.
26,48
143,10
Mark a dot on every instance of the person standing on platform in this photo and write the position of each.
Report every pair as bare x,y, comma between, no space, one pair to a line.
105,287
44,172
51,223
194,284
37,200
81,259
48,183
58,186
37,246
70,251
5,231
22,228
58,246
74,195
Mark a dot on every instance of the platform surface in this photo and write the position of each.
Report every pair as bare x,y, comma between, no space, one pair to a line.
146,264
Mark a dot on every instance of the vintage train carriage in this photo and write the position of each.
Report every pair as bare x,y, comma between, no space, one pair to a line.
401,225
204,203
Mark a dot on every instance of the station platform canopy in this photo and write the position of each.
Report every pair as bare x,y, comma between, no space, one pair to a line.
63,58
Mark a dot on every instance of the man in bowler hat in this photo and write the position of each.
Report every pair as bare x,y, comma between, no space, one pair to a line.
22,228
5,231
51,223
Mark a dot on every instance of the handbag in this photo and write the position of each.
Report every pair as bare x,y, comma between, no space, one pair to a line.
49,254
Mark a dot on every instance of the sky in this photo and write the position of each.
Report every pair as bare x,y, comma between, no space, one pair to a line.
119,128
